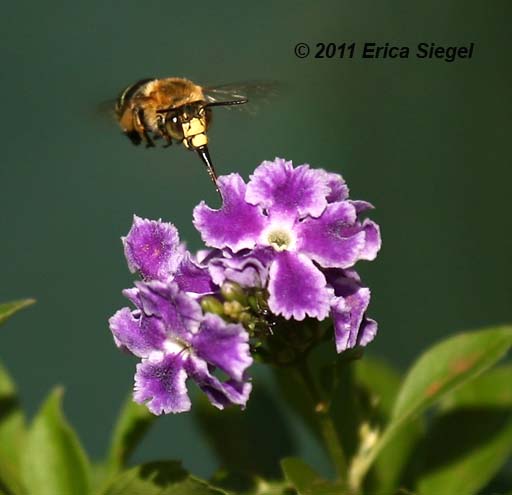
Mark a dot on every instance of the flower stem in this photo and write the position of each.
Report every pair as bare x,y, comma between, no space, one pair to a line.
327,428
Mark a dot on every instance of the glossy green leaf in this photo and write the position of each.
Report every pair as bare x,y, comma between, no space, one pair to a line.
492,389
306,480
448,365
248,448
12,421
471,439
159,478
53,461
10,308
132,424
380,385
438,371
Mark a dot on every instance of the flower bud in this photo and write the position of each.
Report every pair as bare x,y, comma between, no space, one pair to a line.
210,304
231,291
233,309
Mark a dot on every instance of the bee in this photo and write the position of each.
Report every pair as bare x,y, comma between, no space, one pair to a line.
175,109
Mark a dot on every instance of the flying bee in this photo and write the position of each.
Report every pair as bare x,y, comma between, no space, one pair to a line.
177,109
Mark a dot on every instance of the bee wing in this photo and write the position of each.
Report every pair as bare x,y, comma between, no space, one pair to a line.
255,93
106,109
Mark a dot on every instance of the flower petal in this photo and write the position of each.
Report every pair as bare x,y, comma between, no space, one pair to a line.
139,335
334,239
372,240
337,186
152,248
220,394
161,385
191,277
367,331
179,312
280,187
339,278
361,206
224,345
297,288
132,294
237,392
237,225
248,269
351,328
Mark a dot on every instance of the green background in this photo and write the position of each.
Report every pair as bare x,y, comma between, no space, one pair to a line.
426,141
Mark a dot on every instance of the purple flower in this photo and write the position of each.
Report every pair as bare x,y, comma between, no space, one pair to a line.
153,249
176,342
302,217
292,233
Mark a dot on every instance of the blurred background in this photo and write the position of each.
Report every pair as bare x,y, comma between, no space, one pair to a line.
426,141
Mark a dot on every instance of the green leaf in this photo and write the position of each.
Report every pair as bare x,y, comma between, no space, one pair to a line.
438,371
159,478
307,481
245,484
248,448
9,308
10,482
471,439
362,398
132,424
448,365
464,449
493,389
381,384
54,462
12,421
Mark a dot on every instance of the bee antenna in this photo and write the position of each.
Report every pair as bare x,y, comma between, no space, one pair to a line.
204,154
242,101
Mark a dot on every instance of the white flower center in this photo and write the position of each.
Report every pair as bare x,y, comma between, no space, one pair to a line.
170,346
173,346
280,236
279,240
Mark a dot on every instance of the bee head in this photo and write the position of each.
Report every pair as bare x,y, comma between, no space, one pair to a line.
188,124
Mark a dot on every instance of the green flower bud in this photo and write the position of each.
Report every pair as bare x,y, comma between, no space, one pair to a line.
231,291
210,304
233,309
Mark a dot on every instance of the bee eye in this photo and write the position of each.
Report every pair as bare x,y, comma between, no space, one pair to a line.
173,120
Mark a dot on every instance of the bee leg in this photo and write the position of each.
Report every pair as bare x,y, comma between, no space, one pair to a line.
134,137
141,127
160,120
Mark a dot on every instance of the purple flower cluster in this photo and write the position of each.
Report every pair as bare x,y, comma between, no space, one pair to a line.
291,232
